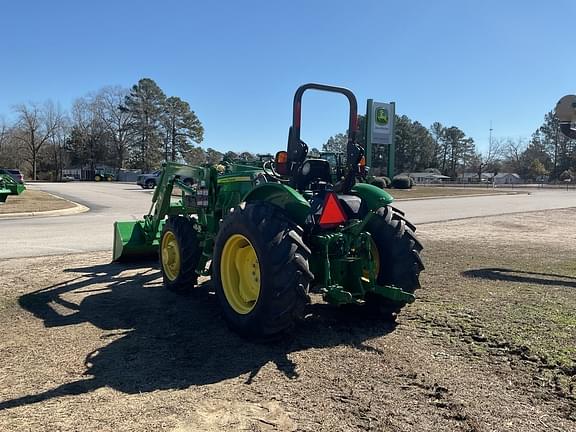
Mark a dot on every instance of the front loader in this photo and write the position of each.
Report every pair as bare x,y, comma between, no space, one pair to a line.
270,233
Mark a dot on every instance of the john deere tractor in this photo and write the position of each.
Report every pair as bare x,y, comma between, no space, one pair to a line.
9,186
270,233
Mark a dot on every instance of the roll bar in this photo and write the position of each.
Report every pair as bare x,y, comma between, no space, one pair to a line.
297,149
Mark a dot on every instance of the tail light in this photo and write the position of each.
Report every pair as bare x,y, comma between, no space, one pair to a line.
281,162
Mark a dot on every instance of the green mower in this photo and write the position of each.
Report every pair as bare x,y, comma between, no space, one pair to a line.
271,232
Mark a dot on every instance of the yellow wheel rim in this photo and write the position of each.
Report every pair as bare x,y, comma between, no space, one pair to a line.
375,260
240,274
170,255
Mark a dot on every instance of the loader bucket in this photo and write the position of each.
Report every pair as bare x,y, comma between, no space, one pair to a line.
131,243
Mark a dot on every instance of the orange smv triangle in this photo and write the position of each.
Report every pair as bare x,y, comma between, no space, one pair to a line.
332,214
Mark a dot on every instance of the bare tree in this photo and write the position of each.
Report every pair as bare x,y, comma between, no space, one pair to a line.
35,125
490,157
57,144
116,121
513,149
10,151
88,132
3,135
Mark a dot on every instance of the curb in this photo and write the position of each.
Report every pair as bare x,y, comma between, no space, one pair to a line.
78,208
462,196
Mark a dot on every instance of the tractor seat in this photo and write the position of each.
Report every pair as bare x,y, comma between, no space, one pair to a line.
313,171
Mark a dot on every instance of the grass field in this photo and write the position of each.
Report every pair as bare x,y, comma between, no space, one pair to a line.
429,192
33,201
488,346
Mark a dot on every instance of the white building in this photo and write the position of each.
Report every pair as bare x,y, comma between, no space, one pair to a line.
507,178
427,178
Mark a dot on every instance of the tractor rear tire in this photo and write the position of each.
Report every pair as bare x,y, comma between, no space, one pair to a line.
179,254
399,258
260,272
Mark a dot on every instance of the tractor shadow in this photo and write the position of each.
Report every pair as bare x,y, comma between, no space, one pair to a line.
520,276
156,340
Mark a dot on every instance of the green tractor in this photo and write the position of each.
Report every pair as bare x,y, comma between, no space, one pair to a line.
103,174
271,233
335,160
9,186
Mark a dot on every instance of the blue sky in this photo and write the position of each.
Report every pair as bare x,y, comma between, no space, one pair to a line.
238,63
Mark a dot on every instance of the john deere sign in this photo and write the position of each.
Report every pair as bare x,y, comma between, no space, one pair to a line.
382,123
380,133
382,116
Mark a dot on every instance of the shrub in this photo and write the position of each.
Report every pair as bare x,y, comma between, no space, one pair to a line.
379,182
401,182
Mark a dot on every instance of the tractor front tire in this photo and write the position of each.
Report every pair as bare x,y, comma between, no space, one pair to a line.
260,272
179,254
398,258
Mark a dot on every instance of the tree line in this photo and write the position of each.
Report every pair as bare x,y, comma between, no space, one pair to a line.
140,127
449,151
121,128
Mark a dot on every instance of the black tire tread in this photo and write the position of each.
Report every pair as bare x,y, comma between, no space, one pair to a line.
283,265
400,261
190,252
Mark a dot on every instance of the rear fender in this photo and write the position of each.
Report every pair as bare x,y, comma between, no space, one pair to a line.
282,196
373,196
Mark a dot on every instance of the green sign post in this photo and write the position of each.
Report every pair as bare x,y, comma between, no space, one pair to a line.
380,132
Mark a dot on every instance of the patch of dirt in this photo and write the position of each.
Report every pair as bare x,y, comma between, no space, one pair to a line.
33,201
513,231
488,345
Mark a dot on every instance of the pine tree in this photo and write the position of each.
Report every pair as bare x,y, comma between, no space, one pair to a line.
181,128
145,105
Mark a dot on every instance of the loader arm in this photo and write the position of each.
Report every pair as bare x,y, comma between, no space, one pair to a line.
171,176
133,239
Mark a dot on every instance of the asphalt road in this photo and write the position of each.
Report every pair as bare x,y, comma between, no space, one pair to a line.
89,231
109,202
